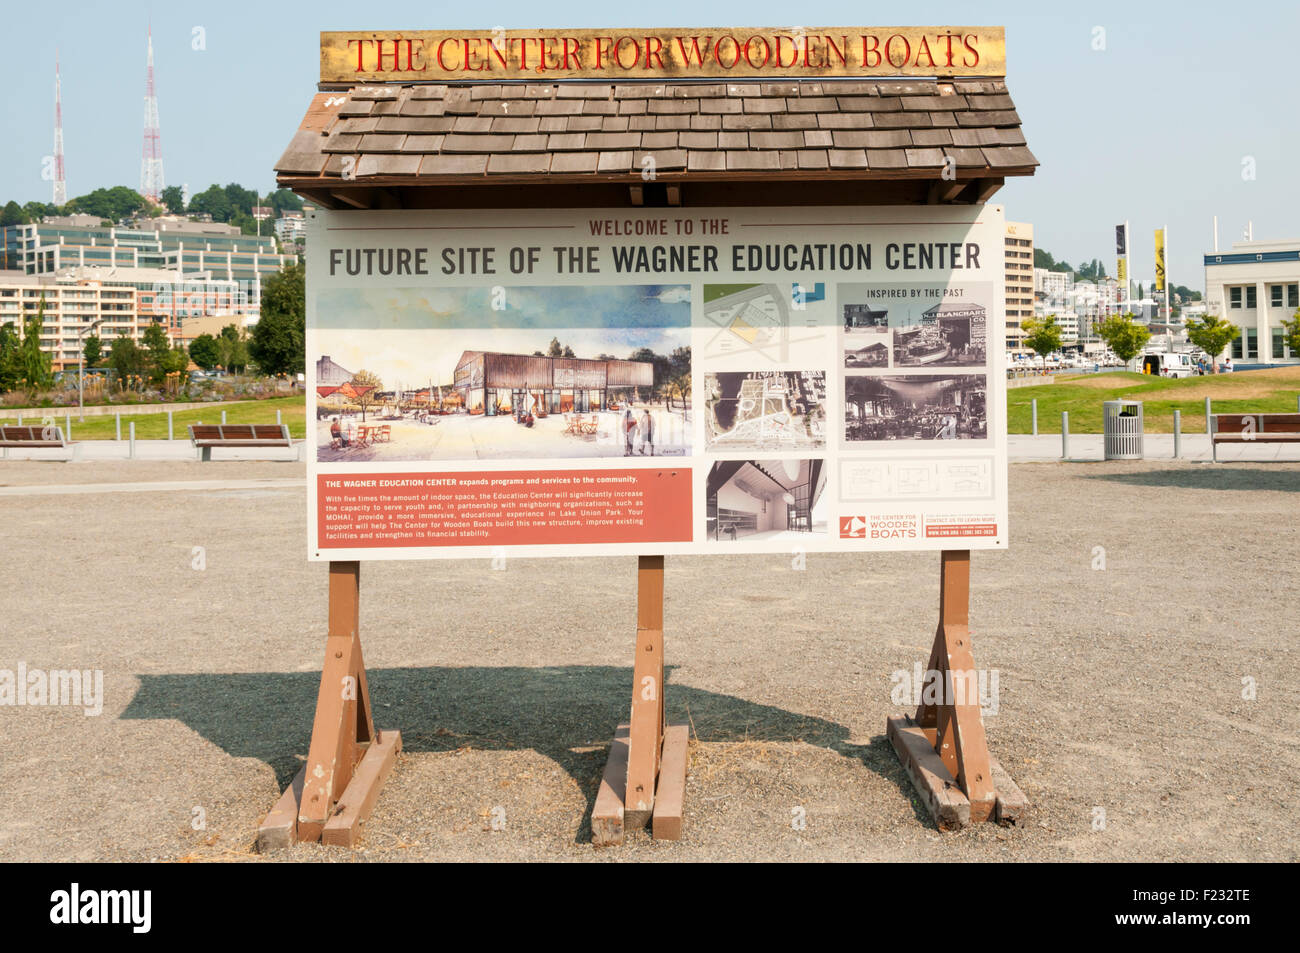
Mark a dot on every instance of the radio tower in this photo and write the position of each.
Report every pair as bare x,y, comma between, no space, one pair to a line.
151,167
60,183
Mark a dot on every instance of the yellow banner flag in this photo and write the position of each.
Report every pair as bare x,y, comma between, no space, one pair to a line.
1160,259
1122,270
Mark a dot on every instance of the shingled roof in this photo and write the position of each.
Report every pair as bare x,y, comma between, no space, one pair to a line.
686,131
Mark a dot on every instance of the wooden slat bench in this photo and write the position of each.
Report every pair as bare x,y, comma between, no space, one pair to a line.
48,437
207,436
1252,428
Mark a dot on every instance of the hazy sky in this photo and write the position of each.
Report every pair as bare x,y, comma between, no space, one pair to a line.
1153,128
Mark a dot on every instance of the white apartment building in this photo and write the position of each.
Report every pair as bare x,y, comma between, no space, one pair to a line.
290,227
1255,286
69,310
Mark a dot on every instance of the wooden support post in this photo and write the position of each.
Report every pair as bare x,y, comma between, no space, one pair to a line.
645,774
348,761
944,749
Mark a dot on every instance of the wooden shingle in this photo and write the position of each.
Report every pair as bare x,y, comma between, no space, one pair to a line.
839,128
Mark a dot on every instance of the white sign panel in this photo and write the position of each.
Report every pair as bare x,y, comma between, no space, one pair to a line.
583,382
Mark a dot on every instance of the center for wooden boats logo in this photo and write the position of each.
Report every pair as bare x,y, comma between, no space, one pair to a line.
892,526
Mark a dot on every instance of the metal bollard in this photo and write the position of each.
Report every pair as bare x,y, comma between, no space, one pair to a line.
20,420
223,418
278,422
1034,404
131,446
1178,434
1065,435
119,426
169,426
1207,416
67,427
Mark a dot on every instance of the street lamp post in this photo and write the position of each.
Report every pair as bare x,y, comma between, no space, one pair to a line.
81,375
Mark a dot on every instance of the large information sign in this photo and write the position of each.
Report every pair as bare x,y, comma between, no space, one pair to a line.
645,381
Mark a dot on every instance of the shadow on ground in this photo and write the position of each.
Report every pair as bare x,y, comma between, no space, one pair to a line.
1210,477
567,714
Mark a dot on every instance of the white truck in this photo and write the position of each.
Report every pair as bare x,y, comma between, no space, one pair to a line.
1169,364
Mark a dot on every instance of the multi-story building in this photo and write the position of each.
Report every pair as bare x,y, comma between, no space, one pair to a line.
69,309
127,299
290,227
1255,286
1053,285
1018,257
173,245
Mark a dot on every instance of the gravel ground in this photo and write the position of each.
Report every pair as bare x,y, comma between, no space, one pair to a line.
1120,689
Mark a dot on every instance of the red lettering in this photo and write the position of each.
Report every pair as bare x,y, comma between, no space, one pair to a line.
411,50
576,54
949,37
767,51
656,51
695,50
839,51
793,42
600,51
717,51
966,42
618,55
889,47
379,56
361,46
807,50
441,62
870,48
925,48
465,67
500,54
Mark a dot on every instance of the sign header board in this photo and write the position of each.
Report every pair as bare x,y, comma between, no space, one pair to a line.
655,381
655,55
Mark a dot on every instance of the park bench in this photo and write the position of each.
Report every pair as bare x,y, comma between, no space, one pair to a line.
207,436
1252,428
33,438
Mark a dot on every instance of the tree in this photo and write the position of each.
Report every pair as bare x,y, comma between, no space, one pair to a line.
1042,336
126,359
205,352
12,214
158,352
278,343
33,363
9,371
679,376
93,350
1291,333
174,198
555,350
232,349
1123,335
367,385
1212,334
283,200
115,204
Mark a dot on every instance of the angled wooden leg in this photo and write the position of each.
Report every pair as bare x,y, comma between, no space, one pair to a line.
645,775
958,785
348,760
645,739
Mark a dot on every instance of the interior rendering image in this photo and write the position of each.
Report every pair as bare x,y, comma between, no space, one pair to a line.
765,500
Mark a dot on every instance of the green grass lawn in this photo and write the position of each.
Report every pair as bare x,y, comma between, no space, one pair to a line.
1272,390
154,426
